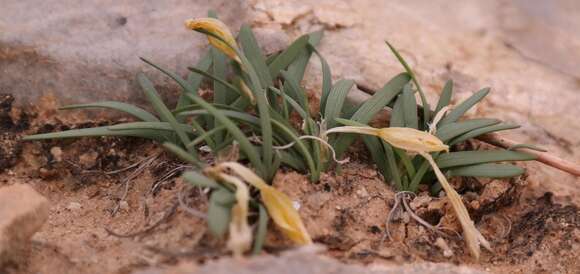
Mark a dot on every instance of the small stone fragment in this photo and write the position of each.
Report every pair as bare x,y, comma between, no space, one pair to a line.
56,153
442,244
22,213
73,206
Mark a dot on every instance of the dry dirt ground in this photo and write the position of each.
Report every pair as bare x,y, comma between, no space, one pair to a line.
115,208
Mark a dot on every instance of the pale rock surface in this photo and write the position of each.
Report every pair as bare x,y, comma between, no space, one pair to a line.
305,261
23,211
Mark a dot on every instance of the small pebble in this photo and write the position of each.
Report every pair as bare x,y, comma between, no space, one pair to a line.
123,205
56,153
74,206
296,205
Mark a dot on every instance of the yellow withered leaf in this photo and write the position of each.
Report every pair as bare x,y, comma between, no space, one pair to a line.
240,233
279,205
216,27
423,143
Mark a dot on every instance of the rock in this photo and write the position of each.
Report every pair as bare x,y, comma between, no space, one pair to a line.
22,213
73,206
83,52
56,153
306,261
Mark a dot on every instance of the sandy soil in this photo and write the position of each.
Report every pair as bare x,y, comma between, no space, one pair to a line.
115,209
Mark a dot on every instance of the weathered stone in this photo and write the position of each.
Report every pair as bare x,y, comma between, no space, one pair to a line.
87,51
306,261
22,213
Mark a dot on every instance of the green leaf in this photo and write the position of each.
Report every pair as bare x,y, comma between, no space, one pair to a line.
164,126
236,132
162,110
336,101
446,96
294,90
132,110
410,108
206,136
97,132
194,80
390,155
286,57
464,158
371,107
215,79
261,230
426,108
487,170
219,213
295,105
326,79
380,99
484,130
182,154
452,130
252,51
220,95
397,115
374,146
462,108
199,180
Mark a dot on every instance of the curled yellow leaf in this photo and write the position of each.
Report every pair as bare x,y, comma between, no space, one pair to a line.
409,139
279,205
423,143
240,233
226,42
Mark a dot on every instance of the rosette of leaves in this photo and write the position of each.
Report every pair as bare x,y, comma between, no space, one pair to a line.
406,171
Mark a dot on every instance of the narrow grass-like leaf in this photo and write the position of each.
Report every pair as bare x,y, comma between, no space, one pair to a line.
162,110
199,180
326,79
182,154
164,126
426,108
298,66
336,101
295,105
132,110
462,108
464,158
219,71
206,136
371,107
406,160
374,146
410,107
487,170
194,80
484,130
390,155
97,132
452,130
445,97
397,115
261,230
380,99
236,132
215,78
294,90
288,56
218,213
252,51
